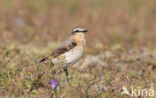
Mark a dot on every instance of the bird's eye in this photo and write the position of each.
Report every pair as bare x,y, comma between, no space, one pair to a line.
77,31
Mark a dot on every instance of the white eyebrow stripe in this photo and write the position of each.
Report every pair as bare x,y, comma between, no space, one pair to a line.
79,29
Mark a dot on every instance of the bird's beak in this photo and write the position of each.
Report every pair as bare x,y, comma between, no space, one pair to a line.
85,31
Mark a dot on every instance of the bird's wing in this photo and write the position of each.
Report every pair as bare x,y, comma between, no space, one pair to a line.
64,47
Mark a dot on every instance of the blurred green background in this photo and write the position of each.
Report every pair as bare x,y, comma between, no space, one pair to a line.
130,23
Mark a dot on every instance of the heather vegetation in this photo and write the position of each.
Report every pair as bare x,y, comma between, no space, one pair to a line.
120,52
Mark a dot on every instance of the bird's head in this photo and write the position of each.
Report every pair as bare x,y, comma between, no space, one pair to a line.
79,30
78,34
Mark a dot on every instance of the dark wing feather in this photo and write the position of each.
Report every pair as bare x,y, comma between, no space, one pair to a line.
62,50
64,47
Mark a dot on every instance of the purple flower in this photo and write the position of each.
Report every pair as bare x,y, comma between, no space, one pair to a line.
53,84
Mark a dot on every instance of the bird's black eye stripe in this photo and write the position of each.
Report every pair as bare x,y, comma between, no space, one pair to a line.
77,31
74,31
80,31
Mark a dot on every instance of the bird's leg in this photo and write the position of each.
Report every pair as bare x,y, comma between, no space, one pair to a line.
66,71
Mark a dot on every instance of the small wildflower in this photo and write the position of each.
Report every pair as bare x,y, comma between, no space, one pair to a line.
53,84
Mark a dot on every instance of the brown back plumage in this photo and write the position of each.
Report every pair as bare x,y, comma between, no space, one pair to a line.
64,47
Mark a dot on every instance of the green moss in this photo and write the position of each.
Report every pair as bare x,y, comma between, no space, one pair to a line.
35,92
104,95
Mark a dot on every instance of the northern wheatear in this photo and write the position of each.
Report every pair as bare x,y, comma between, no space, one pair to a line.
70,51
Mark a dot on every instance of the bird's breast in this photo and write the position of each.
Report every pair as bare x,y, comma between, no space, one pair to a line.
73,56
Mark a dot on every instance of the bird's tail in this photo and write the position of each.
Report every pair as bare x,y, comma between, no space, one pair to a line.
46,59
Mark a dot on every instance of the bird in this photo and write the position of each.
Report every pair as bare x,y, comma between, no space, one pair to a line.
69,51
